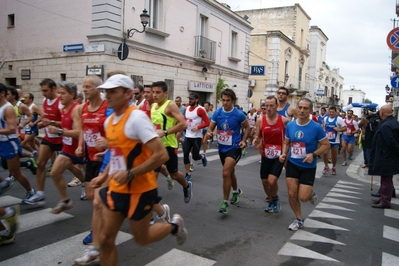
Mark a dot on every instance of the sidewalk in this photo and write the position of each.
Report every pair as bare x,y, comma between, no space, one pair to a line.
356,171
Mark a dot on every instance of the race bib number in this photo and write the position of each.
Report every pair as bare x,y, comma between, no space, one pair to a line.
225,137
67,140
157,127
51,135
272,151
189,122
117,162
348,131
298,150
330,134
90,138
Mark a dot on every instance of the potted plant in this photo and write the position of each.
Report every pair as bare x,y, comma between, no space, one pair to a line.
202,53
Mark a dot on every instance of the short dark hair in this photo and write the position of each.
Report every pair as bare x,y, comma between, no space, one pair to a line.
323,108
307,100
49,82
230,93
14,92
3,88
332,108
141,88
207,103
284,88
31,96
270,98
161,84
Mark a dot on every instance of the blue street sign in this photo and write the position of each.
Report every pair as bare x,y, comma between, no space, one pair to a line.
73,47
257,70
395,82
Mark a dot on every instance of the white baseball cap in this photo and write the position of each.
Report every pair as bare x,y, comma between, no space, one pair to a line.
116,81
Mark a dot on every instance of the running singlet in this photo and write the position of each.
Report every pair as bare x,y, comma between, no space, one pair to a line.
127,153
284,111
52,112
228,128
273,136
163,122
69,144
3,124
93,127
251,120
332,135
349,126
16,109
146,109
193,120
304,139
27,128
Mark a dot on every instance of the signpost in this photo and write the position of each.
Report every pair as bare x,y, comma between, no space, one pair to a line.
257,70
123,51
320,91
393,39
395,82
95,48
77,47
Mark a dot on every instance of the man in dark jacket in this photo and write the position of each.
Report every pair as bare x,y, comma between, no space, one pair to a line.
385,155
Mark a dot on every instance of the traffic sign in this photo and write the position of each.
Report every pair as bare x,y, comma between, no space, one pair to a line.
393,39
95,48
320,91
395,82
123,51
73,47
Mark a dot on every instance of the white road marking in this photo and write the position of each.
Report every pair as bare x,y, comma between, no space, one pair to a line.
349,183
290,249
332,194
306,236
343,191
320,225
391,213
389,260
316,213
322,205
334,200
349,187
391,233
177,257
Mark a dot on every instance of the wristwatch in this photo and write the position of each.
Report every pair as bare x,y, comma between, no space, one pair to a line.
314,155
60,132
165,132
130,176
52,123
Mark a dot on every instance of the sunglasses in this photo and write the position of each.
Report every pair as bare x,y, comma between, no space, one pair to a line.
282,93
136,93
263,108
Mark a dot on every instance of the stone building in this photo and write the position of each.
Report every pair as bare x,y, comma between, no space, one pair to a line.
189,44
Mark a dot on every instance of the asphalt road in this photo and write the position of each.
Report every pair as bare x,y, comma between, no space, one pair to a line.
341,229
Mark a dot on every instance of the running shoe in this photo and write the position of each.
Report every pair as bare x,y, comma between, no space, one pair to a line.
191,167
7,185
270,207
188,177
204,160
165,217
224,207
33,154
329,160
188,192
350,156
235,196
297,224
90,256
170,182
313,199
181,234
152,221
344,164
12,220
10,178
88,239
35,199
333,171
62,206
326,170
32,166
6,239
276,205
48,170
83,194
74,182
28,195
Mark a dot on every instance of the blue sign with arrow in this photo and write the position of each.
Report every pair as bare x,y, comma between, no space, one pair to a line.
395,82
77,47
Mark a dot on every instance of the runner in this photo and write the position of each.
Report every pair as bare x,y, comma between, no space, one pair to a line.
204,130
270,131
348,137
284,108
333,124
168,120
31,129
69,130
136,150
196,119
229,121
251,116
302,138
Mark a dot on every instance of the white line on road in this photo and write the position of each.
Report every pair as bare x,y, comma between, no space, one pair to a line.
391,233
177,257
290,249
322,205
306,236
316,213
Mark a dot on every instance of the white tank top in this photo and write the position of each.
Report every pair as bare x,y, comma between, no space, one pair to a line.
3,124
193,120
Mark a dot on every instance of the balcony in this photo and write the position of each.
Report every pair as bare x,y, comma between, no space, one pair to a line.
332,101
205,50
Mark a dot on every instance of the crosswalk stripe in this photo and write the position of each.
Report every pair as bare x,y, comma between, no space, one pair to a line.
307,236
322,205
345,186
249,159
316,213
349,183
320,225
39,218
391,213
290,249
62,252
344,191
389,260
391,233
394,201
177,257
334,200
8,201
338,195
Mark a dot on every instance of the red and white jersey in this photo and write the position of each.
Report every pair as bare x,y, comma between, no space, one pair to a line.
273,137
69,144
93,127
193,119
351,125
52,111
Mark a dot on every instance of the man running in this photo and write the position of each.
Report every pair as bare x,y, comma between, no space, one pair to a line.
32,129
168,120
270,132
251,116
69,131
229,121
138,96
204,130
348,137
304,141
284,108
333,124
196,119
136,150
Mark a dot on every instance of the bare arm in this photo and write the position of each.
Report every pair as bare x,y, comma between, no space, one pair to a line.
77,121
39,113
11,119
173,111
247,130
24,110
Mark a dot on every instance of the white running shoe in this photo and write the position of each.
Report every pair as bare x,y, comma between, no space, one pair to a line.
74,182
166,215
297,224
182,234
90,256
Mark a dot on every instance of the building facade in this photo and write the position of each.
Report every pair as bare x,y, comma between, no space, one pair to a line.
353,95
189,44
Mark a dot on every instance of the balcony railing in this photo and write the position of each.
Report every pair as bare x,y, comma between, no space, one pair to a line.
205,50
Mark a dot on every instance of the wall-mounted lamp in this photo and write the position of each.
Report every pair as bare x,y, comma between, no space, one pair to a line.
387,89
145,19
204,69
286,77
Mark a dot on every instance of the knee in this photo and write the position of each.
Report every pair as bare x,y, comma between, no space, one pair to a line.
304,198
292,194
41,164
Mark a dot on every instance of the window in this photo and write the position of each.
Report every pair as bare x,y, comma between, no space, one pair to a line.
11,21
171,88
63,76
154,14
233,44
349,100
203,26
138,80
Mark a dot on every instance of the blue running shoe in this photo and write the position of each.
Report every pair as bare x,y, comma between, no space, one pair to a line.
204,160
276,205
88,239
270,207
188,177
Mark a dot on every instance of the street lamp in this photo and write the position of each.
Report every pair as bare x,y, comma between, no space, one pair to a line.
145,18
286,77
387,89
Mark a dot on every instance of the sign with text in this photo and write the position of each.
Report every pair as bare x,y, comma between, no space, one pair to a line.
258,70
201,86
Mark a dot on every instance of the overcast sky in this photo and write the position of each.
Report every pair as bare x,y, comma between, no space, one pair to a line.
357,32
